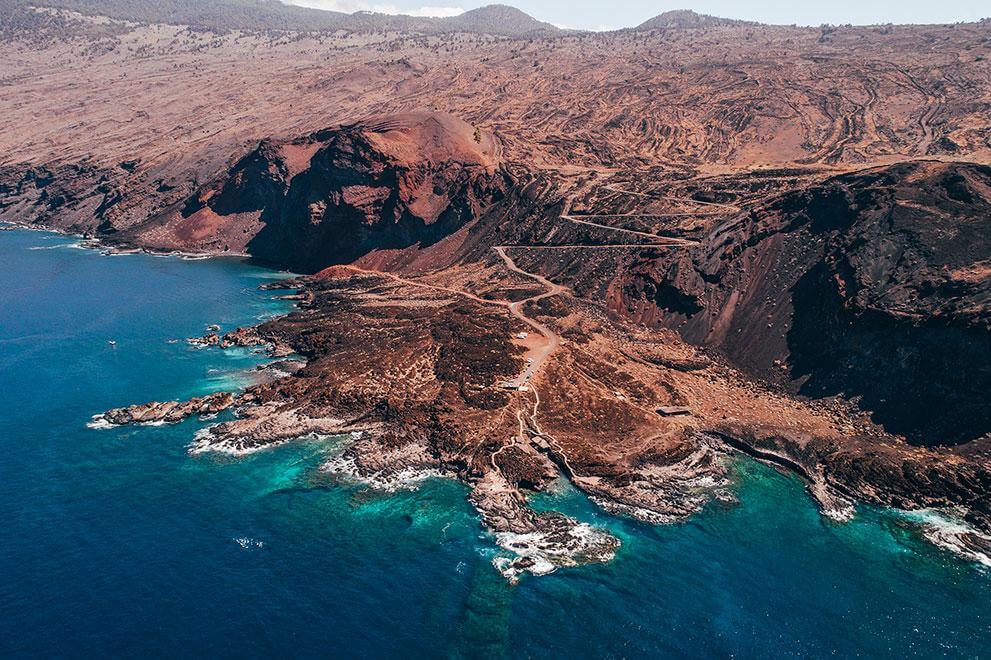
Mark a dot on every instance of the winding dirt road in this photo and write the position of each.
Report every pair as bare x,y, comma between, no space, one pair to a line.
538,355
657,240
551,339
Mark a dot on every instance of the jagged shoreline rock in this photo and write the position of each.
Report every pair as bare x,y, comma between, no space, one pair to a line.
426,358
169,412
415,379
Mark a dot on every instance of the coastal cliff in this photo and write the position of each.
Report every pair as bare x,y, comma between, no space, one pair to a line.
335,195
482,353
873,286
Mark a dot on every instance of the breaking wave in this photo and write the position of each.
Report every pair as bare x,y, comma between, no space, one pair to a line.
391,481
563,542
946,530
99,422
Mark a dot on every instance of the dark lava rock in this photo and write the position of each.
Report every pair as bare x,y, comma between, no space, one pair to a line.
874,285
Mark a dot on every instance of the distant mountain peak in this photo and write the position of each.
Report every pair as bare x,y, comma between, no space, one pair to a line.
499,11
223,15
686,18
499,19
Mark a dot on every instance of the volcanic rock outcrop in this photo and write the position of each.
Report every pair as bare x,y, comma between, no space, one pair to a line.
336,195
875,286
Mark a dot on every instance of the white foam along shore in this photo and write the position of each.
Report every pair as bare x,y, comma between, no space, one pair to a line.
92,243
100,422
567,543
205,442
345,466
635,512
946,529
78,245
541,552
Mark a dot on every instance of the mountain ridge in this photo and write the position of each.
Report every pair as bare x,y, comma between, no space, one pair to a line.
261,15
222,16
686,19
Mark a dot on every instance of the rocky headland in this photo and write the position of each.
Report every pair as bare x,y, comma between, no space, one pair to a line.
616,265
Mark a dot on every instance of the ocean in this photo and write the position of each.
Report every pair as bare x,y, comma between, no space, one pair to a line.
117,541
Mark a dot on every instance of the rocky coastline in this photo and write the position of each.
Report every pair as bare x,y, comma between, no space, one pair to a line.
509,355
374,375
510,307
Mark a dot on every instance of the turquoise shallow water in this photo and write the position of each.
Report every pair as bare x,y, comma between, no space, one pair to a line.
117,541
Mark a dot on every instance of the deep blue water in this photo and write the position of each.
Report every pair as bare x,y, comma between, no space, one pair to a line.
117,541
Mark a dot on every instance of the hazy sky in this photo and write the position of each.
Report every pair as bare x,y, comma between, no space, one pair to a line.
608,14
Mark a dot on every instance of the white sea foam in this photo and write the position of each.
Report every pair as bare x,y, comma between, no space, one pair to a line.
249,543
543,552
228,447
345,466
60,246
842,512
100,422
637,513
204,442
119,252
946,529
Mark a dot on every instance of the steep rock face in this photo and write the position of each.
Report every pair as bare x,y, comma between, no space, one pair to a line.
76,197
874,285
338,194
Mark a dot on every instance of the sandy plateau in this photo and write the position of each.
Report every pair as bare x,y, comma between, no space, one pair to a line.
614,258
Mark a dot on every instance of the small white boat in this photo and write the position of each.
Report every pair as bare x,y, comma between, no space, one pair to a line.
112,342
